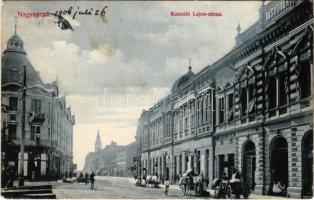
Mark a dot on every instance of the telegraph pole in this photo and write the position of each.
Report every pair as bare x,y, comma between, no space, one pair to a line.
21,172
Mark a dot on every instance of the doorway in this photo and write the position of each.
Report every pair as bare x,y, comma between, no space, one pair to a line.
307,165
249,163
279,161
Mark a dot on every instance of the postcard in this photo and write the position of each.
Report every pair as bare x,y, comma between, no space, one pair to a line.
157,99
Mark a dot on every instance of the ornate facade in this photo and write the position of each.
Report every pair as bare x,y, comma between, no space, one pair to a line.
249,110
48,121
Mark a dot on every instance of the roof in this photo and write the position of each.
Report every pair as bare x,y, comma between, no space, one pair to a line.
183,79
13,60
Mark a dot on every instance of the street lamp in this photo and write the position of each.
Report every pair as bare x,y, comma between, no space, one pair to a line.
21,172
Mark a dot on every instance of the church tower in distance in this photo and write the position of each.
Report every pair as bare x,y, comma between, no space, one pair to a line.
98,142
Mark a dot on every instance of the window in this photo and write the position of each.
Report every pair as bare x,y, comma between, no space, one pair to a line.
305,79
200,110
272,93
282,89
205,109
243,101
180,121
36,105
12,131
251,105
192,115
175,123
12,117
153,133
221,110
35,131
13,103
208,107
230,107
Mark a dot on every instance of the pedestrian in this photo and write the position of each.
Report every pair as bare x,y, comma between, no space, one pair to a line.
11,177
92,180
33,175
167,185
86,178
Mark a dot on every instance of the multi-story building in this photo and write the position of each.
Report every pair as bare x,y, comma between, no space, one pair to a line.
113,160
250,110
120,163
48,121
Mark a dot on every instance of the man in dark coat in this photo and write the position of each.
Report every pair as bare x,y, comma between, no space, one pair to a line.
92,180
86,178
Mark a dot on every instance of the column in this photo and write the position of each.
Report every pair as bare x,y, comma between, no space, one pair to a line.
190,163
259,175
295,163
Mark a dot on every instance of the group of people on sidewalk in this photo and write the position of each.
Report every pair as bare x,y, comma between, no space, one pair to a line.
188,182
89,178
153,181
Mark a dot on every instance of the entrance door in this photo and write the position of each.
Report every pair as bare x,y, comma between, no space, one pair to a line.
279,161
249,163
192,164
198,162
307,165
230,165
180,164
175,167
167,173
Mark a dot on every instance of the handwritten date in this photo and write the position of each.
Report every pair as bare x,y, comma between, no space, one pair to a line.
77,11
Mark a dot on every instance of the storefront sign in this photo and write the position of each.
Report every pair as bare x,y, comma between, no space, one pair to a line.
277,8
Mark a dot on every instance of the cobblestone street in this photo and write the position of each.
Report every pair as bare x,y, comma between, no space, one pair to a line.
124,188
113,187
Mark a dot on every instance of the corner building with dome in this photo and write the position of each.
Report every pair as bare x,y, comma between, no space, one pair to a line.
250,110
48,121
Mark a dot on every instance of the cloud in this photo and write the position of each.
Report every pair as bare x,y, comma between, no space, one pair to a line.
139,49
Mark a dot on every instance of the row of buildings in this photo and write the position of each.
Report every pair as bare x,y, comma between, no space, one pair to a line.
113,160
250,110
47,120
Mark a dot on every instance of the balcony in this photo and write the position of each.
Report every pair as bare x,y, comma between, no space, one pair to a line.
37,118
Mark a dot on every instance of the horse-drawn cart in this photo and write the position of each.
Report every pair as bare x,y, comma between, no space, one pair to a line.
192,183
226,189
240,188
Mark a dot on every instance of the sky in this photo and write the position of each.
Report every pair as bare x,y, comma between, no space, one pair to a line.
110,68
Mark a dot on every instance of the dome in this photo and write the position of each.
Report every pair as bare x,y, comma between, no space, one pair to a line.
15,44
13,60
183,79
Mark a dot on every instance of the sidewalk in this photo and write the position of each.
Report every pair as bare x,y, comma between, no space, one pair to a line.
31,183
252,195
35,183
174,186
